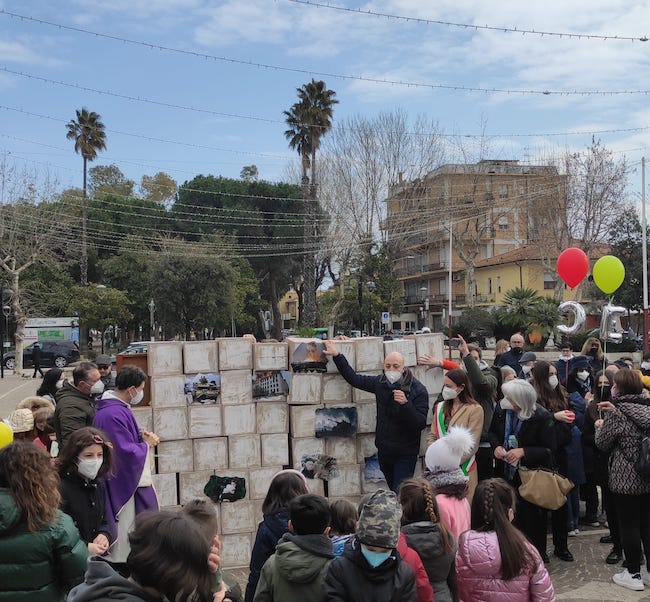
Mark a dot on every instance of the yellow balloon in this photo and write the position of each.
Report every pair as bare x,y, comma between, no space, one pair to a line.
608,273
6,434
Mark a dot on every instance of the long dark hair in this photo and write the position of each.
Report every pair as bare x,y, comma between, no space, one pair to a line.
67,461
460,379
553,400
492,500
48,384
283,488
27,472
418,500
169,553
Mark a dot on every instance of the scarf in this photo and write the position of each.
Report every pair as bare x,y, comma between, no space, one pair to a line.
513,426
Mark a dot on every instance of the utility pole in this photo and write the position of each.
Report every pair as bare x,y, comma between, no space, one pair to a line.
644,248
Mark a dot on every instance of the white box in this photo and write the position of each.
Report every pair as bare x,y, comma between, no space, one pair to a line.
303,420
175,456
205,420
302,446
238,517
316,486
170,423
270,356
348,483
200,356
404,346
336,389
191,485
367,416
431,378
428,344
346,348
272,417
238,420
144,418
236,387
305,389
260,480
275,449
365,447
235,354
167,392
211,454
236,550
344,449
369,354
166,489
244,451
164,358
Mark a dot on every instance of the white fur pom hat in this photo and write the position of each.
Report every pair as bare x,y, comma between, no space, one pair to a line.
444,454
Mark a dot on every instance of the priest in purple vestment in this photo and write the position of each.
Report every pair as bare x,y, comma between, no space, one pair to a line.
129,489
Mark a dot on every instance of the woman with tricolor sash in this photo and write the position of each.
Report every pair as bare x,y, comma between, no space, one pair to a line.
459,408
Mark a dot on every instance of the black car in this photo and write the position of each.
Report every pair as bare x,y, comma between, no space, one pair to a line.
53,353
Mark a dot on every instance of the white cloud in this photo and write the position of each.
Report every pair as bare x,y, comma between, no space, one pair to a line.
13,51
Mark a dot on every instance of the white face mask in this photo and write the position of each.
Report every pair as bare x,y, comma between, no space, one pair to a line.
97,388
449,393
553,381
505,404
392,376
582,375
526,369
645,365
89,468
59,384
137,398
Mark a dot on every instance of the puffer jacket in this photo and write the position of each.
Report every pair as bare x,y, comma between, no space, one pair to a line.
411,557
424,538
351,579
296,571
478,572
621,434
73,411
269,532
39,566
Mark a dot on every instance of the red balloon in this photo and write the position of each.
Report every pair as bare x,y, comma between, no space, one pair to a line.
572,266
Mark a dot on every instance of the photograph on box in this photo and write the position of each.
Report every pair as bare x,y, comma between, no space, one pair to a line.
309,357
225,489
318,466
203,388
271,383
336,422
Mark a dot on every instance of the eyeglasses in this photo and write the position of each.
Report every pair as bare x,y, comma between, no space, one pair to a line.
102,367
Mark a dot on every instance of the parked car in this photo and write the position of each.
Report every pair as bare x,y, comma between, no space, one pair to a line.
135,347
53,353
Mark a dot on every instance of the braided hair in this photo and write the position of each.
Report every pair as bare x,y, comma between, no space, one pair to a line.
418,500
492,500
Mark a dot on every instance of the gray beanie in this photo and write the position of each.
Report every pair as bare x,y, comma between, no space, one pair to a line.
379,520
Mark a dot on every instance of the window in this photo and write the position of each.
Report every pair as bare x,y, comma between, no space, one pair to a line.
549,285
498,284
503,191
489,286
503,222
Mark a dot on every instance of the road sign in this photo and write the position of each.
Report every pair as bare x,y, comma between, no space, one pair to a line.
385,317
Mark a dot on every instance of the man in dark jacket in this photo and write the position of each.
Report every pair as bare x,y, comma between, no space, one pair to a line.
75,405
371,569
402,406
511,358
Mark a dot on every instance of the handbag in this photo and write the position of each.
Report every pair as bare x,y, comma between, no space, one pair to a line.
544,487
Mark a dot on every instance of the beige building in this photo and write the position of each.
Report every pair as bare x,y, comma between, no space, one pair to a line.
446,226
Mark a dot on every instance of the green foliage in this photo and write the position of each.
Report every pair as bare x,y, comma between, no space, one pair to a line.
109,179
475,323
88,133
516,311
100,307
625,239
158,188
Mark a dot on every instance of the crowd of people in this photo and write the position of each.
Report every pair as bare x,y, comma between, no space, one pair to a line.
79,517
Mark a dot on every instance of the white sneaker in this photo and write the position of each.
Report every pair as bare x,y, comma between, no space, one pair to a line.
624,579
573,533
645,577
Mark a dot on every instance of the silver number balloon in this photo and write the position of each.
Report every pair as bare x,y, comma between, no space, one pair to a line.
610,323
579,317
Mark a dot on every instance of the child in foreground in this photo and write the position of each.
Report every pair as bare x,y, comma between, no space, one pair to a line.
494,559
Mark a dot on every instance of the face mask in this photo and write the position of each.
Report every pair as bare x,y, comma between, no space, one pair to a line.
553,381
605,393
139,396
392,376
582,375
645,365
449,393
59,384
97,388
566,358
526,369
89,468
517,350
375,558
505,404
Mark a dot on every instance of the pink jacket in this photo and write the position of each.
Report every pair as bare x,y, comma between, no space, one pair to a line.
478,568
454,513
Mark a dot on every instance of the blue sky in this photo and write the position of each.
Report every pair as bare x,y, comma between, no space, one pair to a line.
239,117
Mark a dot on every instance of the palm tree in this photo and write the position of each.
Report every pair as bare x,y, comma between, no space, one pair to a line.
518,307
89,137
309,120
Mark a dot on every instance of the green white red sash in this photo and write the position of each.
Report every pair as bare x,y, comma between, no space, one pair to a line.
441,430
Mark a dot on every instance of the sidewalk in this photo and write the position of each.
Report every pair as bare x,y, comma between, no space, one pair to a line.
14,388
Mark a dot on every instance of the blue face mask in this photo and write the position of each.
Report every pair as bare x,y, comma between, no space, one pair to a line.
375,558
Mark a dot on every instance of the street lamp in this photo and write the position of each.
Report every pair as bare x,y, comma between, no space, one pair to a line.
371,286
6,310
152,326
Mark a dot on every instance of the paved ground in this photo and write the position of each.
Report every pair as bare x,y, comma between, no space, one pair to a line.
14,388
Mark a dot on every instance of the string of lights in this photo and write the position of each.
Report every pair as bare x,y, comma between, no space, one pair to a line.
473,26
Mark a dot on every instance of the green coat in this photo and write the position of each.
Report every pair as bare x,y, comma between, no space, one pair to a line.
41,566
296,572
73,411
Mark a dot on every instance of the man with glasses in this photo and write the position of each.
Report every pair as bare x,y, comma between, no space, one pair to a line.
75,403
105,367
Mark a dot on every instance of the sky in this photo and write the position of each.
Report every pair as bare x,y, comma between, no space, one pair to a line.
193,87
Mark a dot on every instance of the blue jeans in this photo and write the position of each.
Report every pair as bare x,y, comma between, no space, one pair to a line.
573,508
396,468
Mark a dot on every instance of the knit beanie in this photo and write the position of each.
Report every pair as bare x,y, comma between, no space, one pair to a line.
443,456
379,520
21,420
